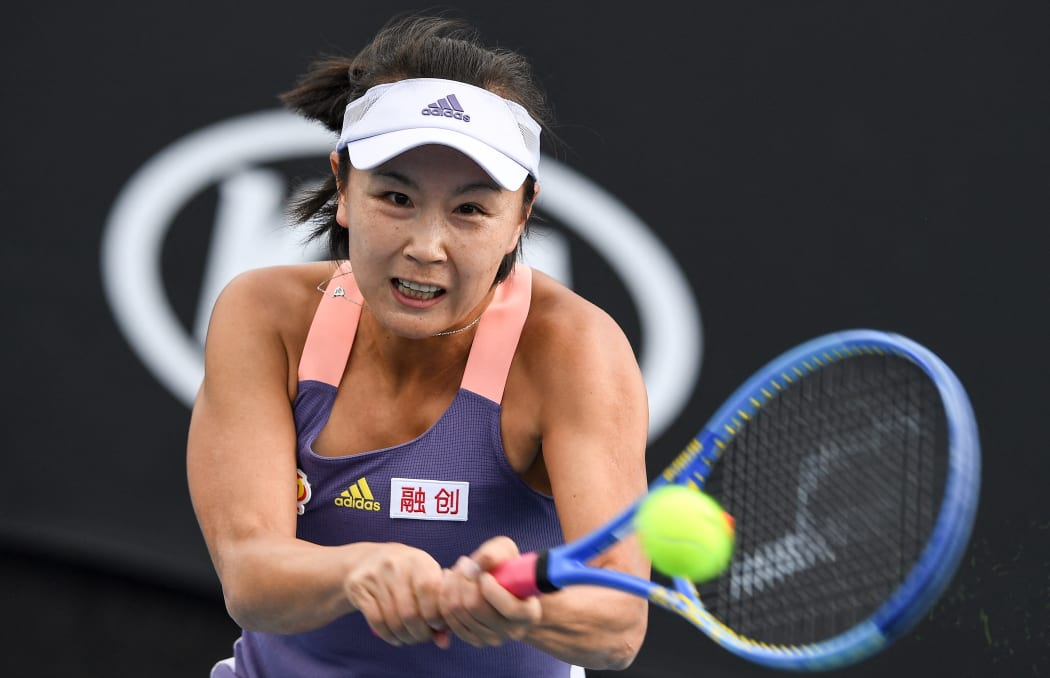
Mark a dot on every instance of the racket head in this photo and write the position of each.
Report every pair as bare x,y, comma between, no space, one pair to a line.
784,554
851,465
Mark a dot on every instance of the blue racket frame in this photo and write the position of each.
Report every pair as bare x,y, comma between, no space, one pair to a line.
902,610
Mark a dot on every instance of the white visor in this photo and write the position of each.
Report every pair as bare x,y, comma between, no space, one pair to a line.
497,134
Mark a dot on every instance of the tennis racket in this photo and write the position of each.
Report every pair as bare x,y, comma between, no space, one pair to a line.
851,465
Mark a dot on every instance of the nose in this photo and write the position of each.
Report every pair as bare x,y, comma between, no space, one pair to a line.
427,239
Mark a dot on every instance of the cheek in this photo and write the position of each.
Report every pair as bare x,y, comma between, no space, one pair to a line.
369,232
488,247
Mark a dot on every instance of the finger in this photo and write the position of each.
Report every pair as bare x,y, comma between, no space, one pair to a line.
517,616
465,609
495,551
443,639
414,615
467,567
363,596
427,620
471,631
452,607
405,620
508,605
385,621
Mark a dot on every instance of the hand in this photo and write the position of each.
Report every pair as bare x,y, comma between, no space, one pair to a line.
397,588
476,607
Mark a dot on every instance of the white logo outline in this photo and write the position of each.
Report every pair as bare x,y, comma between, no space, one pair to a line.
132,240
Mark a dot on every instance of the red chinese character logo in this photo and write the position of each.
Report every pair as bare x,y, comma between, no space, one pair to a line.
447,502
413,500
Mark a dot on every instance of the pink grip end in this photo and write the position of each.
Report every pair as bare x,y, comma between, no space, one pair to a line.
518,575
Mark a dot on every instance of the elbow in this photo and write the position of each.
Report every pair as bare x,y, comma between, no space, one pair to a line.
249,615
626,651
250,611
240,607
621,663
236,612
618,657
624,646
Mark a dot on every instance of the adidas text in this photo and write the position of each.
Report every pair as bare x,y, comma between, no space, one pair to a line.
448,113
358,503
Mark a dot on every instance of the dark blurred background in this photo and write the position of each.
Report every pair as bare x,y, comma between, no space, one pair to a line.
792,167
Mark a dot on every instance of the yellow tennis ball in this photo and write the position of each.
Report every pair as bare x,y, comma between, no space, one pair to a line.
685,532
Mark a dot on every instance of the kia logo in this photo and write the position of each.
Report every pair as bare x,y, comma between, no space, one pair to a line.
235,157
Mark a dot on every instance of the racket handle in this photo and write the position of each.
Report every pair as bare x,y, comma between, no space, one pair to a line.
519,575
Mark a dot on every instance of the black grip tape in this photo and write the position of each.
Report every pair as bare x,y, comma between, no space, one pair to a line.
543,583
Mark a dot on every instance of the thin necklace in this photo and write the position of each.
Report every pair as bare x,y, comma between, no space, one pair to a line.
466,327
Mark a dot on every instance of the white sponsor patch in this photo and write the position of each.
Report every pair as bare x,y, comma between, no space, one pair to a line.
428,499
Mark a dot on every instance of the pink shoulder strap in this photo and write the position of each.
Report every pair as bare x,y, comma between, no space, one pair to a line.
333,329
497,335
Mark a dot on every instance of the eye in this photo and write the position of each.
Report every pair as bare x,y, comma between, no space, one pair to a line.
399,199
469,209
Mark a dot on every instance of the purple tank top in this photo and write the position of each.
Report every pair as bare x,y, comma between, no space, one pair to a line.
445,492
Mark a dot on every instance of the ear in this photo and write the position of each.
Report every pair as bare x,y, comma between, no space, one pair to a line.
535,196
340,212
527,215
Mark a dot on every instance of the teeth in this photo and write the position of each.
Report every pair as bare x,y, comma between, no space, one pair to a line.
419,287
418,290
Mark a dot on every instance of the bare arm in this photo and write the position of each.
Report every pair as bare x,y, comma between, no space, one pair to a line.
242,476
593,418
595,423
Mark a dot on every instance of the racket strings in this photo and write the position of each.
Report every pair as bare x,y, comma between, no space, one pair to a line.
834,485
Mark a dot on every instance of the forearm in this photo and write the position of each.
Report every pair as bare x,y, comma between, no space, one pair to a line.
591,627
284,585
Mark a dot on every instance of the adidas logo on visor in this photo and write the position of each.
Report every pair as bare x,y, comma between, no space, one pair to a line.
447,107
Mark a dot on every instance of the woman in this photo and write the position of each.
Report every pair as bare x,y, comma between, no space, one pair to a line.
359,458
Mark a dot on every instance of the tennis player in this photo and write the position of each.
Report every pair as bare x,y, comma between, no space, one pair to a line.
377,431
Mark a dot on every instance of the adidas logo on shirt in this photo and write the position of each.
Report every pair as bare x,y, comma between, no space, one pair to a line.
447,107
358,496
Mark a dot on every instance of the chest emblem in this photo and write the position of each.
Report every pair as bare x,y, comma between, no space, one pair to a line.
304,492
429,499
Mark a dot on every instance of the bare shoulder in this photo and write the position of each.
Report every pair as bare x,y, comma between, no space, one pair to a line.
569,335
266,311
289,283
576,394
280,297
259,326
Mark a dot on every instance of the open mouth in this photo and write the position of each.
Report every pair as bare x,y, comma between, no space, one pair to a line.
419,291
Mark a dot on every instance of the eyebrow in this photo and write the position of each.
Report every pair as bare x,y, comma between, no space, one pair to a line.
465,188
